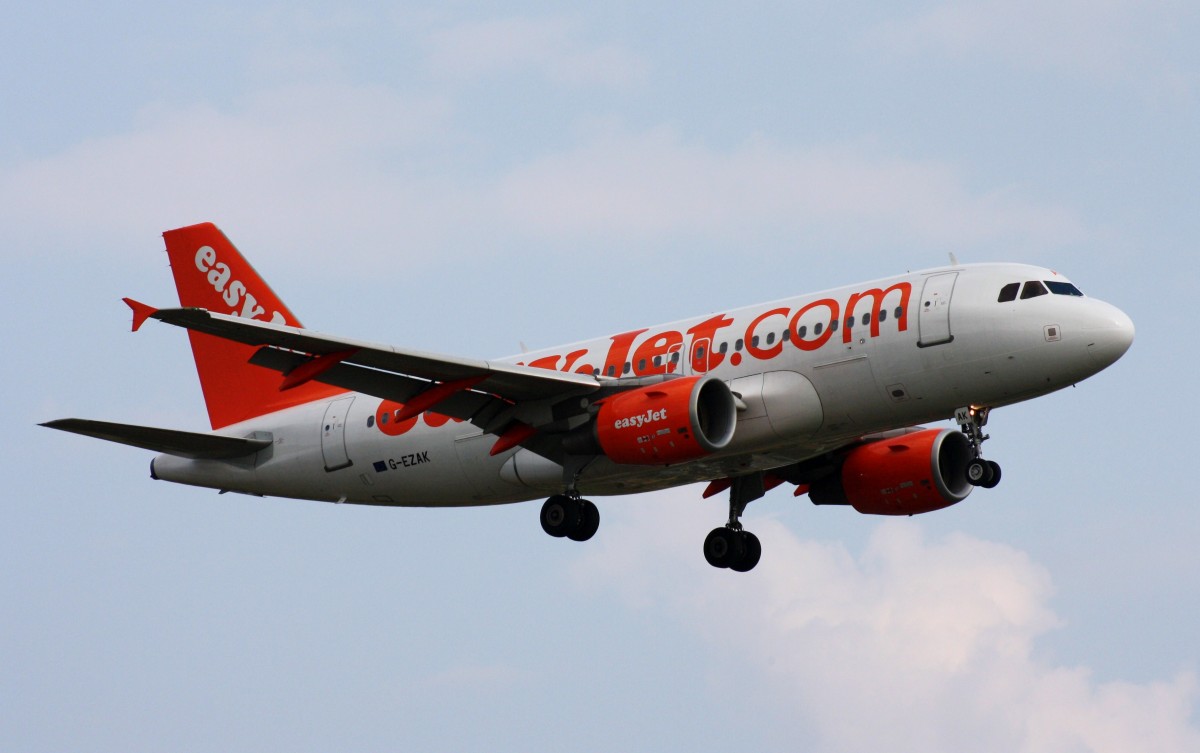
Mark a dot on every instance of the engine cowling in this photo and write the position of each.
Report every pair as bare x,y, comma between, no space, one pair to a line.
904,475
671,422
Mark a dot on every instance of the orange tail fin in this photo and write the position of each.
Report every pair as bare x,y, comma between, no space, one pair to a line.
211,274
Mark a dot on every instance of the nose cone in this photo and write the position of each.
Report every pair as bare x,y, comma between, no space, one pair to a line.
1109,333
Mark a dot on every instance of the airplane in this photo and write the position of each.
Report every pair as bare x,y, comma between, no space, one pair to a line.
827,392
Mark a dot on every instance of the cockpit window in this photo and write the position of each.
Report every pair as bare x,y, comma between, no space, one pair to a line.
1033,289
1063,288
1009,292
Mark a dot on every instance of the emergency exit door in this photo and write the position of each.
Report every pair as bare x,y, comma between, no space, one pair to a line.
333,434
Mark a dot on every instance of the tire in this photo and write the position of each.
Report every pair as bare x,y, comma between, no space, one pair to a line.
994,467
589,521
751,553
721,547
560,515
979,472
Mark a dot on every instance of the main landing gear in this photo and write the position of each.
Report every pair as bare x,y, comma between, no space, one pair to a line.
980,472
730,546
571,516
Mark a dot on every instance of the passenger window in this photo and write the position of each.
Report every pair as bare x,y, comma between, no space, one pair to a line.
1033,289
1008,292
370,421
770,338
899,312
833,326
642,364
724,347
625,370
804,330
754,341
612,370
817,328
883,315
738,345
383,418
787,335
867,319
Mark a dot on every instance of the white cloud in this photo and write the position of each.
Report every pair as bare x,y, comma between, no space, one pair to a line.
911,646
549,46
288,161
654,183
370,175
1091,37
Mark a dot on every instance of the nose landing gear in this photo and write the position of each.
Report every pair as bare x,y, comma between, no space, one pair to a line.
980,472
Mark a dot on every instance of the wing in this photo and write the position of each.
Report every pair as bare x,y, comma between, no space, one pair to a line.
186,444
504,399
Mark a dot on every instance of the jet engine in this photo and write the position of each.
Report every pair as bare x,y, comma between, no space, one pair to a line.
904,475
661,424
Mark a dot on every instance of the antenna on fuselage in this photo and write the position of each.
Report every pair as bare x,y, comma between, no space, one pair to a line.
953,259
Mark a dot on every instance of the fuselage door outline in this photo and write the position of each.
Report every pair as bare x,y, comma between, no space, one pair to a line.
333,434
933,316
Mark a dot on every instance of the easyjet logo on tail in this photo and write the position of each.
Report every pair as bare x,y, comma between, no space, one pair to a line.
232,291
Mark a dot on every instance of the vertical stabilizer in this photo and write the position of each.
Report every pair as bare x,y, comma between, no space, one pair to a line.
211,274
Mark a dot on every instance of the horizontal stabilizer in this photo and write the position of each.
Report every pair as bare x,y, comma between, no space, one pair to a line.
185,444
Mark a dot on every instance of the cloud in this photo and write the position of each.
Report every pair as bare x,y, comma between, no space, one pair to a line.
911,645
654,184
549,46
286,160
374,176
1102,38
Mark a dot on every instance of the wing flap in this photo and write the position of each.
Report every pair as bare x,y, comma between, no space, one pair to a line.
185,444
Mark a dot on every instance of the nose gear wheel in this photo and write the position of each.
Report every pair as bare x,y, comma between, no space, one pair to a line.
980,472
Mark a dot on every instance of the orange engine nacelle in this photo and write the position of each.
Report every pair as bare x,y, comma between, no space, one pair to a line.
671,422
904,475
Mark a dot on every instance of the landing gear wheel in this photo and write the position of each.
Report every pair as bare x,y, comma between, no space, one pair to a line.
737,550
589,521
995,479
751,552
980,473
560,515
721,547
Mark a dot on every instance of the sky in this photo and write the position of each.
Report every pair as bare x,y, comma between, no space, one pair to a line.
467,177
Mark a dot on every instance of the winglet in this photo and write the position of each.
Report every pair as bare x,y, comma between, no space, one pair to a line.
141,312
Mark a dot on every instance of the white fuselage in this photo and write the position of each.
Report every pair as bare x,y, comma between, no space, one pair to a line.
904,350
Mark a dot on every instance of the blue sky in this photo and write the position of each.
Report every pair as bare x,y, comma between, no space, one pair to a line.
463,179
